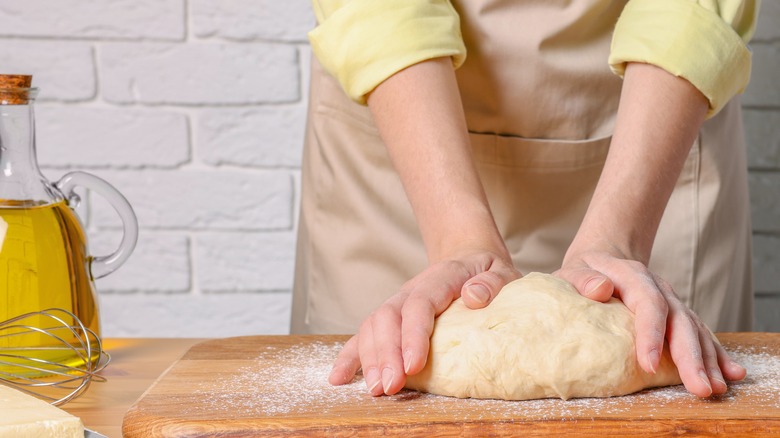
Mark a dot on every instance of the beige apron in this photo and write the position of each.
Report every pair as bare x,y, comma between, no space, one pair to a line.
540,105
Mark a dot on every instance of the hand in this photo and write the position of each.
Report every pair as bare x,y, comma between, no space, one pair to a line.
393,341
703,364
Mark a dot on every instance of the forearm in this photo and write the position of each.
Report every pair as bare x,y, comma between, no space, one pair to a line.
657,122
420,117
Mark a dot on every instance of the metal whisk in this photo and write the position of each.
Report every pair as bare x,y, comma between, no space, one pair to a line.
50,354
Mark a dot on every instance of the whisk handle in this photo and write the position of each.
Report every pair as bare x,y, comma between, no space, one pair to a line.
101,266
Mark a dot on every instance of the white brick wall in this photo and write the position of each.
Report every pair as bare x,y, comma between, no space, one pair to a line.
94,20
194,109
762,125
199,73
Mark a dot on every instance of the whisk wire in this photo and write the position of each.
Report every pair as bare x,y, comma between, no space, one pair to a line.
57,370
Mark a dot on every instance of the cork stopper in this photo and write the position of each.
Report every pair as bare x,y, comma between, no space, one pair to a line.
15,89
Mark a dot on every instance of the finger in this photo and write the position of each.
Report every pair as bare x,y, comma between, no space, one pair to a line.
347,363
387,341
368,358
648,298
479,290
588,282
710,358
427,298
417,324
731,370
686,352
650,303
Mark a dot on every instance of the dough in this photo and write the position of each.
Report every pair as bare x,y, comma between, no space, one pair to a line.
539,338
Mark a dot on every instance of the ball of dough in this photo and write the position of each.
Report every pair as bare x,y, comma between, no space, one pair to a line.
539,338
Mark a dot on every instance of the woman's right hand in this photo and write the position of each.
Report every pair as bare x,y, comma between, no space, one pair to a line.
419,114
393,341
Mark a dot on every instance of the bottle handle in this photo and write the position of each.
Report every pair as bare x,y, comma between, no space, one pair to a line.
101,266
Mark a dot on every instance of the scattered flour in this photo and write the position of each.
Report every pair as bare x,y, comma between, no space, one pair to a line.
301,388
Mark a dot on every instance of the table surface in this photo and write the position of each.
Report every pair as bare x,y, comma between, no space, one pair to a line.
277,386
135,364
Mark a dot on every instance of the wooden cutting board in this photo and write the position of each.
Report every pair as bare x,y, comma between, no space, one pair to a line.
277,385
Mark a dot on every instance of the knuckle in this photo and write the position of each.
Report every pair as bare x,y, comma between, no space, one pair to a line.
408,287
367,323
449,265
417,303
382,311
636,266
661,305
415,337
487,278
689,320
662,284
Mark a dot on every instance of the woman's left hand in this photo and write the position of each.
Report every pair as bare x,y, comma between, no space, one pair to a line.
657,122
703,364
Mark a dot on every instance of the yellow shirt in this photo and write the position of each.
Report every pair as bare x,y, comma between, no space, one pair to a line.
363,42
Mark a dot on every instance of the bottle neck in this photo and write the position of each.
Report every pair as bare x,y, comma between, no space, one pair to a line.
21,181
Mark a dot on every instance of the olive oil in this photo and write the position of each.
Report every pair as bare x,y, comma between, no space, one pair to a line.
43,264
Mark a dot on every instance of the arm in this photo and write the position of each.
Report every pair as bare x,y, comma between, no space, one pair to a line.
658,119
419,114
420,117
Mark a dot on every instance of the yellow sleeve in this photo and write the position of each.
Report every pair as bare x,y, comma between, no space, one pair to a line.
363,42
703,41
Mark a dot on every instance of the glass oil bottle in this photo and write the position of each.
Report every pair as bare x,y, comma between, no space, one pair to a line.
44,261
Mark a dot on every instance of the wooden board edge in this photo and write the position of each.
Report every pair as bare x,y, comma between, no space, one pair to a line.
770,427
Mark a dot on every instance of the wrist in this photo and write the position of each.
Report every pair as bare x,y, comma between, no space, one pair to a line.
622,244
463,233
467,247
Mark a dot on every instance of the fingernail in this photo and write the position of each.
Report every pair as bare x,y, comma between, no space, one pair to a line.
332,374
407,360
720,380
593,284
734,364
704,378
478,293
653,360
372,379
387,378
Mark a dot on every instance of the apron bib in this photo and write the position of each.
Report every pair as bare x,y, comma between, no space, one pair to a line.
540,104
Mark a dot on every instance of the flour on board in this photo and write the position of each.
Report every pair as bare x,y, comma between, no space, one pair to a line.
301,387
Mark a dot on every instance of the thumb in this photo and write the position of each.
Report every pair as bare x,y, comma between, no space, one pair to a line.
588,282
480,289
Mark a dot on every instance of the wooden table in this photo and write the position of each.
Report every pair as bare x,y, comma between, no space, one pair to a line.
138,363
277,386
135,365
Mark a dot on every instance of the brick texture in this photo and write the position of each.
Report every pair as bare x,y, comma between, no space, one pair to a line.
762,122
766,260
201,200
244,261
767,313
104,19
195,109
762,134
259,137
765,201
160,263
111,137
768,27
763,90
195,316
64,71
247,20
199,74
